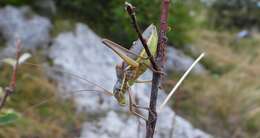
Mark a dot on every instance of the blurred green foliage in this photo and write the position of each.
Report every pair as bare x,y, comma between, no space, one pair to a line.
15,2
235,13
109,19
34,110
8,117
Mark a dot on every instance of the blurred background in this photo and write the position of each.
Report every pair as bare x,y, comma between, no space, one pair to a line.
220,97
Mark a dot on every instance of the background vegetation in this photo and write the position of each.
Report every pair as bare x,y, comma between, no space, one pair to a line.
111,19
224,102
41,112
235,13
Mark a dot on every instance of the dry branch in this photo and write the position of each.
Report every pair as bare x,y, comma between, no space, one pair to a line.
131,11
8,90
160,60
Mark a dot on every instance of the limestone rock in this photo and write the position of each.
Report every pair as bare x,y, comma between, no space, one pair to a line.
177,61
33,30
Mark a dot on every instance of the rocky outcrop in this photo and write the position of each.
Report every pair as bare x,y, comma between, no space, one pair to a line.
81,52
177,61
33,30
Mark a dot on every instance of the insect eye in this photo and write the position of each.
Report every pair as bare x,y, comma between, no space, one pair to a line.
119,66
119,70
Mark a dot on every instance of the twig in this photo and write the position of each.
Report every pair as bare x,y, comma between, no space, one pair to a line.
180,81
160,59
131,11
12,85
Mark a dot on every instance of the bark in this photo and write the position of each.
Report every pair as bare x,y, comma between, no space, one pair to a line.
160,60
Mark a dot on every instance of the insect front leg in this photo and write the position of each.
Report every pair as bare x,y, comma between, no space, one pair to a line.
131,105
131,109
143,81
154,70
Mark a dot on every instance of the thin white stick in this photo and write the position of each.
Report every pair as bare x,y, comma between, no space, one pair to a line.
180,81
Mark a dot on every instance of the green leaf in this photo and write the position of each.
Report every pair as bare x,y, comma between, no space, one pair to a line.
9,61
1,91
23,58
8,117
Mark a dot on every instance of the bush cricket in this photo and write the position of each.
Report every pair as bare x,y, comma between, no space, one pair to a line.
135,63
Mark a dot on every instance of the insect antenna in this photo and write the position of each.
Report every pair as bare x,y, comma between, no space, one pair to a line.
70,93
103,90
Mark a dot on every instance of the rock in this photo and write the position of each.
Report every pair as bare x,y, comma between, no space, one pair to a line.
177,61
81,52
241,35
33,30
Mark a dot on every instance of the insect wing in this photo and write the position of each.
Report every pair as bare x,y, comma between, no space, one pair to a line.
124,53
150,34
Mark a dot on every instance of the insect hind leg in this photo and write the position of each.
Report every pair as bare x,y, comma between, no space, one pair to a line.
131,109
133,105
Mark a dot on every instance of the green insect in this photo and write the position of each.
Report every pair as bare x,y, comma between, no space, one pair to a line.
135,62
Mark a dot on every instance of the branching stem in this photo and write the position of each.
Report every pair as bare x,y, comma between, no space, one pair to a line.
12,85
131,11
160,60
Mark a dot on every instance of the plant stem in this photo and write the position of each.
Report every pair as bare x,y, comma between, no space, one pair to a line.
11,87
160,60
131,11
